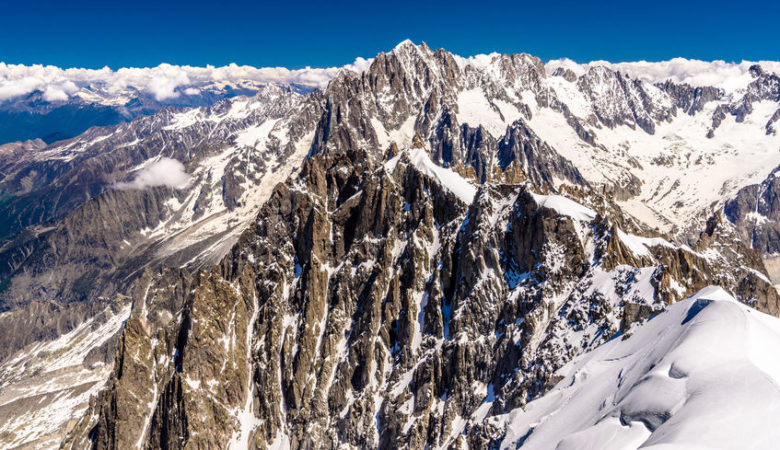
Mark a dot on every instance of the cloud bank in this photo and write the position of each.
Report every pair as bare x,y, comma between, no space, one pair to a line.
163,82
166,81
163,172
726,75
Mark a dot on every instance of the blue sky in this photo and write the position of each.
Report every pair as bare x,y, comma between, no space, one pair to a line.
146,33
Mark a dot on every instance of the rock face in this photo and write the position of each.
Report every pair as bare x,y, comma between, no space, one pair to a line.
80,229
445,104
755,212
764,87
617,132
373,304
691,99
618,100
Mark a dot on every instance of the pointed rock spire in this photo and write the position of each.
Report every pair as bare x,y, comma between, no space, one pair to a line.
417,141
391,151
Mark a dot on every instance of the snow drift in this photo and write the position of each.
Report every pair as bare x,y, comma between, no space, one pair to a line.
703,374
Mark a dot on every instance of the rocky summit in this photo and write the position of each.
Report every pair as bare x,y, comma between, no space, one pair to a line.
428,252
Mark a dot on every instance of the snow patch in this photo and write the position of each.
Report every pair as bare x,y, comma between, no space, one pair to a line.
462,188
565,207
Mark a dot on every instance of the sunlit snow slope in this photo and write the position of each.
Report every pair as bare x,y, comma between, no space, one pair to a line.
703,374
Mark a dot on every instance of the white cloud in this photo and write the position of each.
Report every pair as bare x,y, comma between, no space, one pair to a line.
163,82
59,92
167,81
479,61
163,172
360,65
18,87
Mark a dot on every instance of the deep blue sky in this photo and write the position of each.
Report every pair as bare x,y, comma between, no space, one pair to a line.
296,34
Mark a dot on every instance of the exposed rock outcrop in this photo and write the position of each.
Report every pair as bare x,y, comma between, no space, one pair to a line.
370,305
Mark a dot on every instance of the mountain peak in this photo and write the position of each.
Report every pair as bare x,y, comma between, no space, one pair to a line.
405,44
408,47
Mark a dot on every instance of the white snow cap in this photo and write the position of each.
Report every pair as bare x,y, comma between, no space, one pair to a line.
726,75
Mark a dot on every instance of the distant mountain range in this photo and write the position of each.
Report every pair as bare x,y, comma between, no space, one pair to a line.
53,104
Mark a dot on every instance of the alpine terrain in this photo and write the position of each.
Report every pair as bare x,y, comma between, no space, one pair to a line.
421,251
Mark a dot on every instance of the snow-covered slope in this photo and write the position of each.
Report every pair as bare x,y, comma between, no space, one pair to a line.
679,171
48,383
419,157
229,187
678,166
702,374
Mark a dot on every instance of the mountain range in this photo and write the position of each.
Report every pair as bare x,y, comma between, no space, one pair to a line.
422,250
